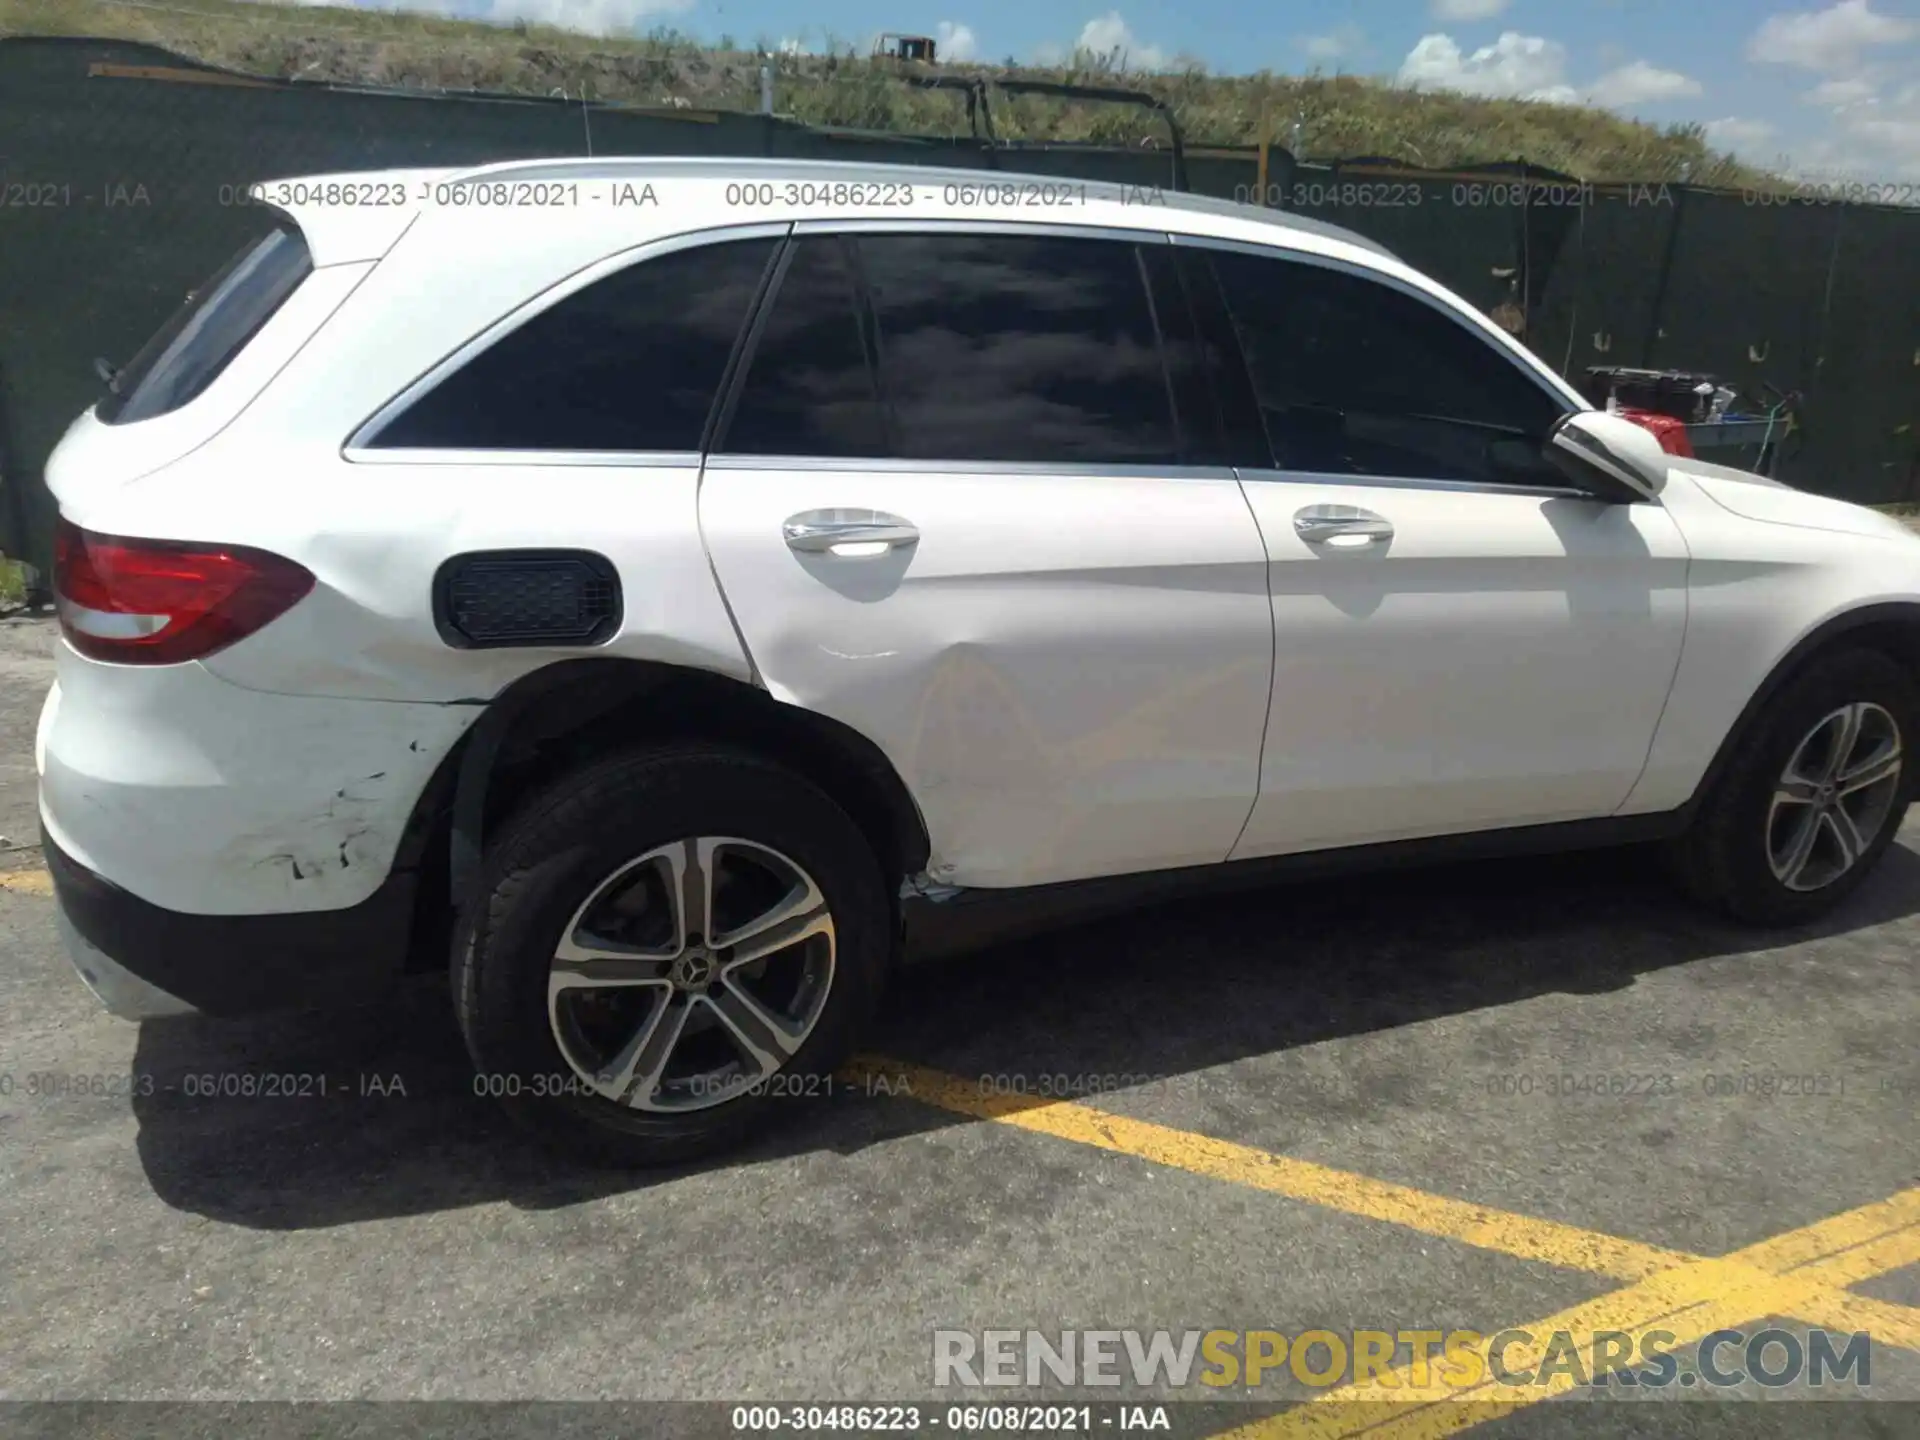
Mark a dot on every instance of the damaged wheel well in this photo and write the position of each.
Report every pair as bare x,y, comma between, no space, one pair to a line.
567,713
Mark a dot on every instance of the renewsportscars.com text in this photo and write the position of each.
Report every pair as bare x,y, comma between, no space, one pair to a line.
1773,1357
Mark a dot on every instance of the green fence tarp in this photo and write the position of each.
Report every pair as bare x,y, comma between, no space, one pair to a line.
141,184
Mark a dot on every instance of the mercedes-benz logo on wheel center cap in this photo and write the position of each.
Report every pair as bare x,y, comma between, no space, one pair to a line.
694,970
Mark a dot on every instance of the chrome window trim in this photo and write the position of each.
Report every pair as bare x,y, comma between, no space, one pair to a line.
359,447
1402,482
886,465
1523,360
648,459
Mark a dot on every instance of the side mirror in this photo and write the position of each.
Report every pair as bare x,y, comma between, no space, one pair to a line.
1608,453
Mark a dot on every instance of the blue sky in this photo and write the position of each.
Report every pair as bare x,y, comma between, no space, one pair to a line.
1825,88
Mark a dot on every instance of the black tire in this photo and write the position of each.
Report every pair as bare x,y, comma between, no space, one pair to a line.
549,859
1722,860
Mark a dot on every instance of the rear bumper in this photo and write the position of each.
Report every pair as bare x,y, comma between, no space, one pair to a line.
144,961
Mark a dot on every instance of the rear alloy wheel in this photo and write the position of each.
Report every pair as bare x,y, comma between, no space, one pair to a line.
671,947
1813,798
691,974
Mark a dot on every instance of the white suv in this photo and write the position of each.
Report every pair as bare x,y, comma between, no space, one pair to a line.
671,590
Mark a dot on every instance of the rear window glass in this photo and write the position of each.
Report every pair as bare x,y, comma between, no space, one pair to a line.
212,327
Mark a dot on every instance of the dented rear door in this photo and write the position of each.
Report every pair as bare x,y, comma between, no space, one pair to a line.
958,517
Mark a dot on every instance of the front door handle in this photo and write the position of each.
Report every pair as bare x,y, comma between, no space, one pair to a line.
848,533
1342,526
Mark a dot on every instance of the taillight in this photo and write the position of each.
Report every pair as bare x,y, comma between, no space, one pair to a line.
159,602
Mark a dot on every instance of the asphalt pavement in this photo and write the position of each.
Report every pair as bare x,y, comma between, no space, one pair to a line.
1543,1094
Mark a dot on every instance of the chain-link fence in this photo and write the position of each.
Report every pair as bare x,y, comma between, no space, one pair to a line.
123,175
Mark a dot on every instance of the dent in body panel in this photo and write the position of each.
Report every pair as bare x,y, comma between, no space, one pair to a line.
205,798
1038,746
354,828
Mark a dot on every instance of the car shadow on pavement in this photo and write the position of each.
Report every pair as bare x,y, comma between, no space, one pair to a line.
318,1120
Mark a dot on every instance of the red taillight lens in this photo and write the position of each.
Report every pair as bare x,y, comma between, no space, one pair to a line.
159,602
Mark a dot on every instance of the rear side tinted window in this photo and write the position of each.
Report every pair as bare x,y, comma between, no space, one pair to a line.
964,348
630,363
214,325
1018,348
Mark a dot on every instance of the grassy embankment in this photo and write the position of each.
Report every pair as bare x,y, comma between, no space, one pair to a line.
1339,116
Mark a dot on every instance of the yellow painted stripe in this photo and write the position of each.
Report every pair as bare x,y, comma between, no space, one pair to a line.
1873,1240
26,882
1689,1303
1798,1274
1502,1231
1684,1306
1846,1312
1863,1262
1852,1247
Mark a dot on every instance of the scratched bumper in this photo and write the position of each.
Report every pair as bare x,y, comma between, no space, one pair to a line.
206,798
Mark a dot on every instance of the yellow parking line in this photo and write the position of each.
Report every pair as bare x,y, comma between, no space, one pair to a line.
1852,1247
1521,1236
1846,1313
1690,1303
1800,1274
1894,1251
26,882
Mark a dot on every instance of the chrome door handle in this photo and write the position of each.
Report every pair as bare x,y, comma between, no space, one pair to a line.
848,532
1341,525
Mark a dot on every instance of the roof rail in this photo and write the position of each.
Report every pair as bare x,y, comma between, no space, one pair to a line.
615,167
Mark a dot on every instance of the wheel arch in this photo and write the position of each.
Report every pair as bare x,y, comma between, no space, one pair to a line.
1891,627
561,714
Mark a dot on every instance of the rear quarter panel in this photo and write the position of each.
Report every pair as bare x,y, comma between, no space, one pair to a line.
374,534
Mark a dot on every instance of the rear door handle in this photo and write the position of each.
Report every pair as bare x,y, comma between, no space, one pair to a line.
1342,526
848,533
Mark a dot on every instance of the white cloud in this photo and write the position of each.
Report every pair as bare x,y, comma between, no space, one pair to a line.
1839,94
1882,136
1897,134
1108,35
1875,137
1516,66
1467,9
1740,135
954,42
592,17
1846,159
1869,135
1830,39
1637,82
1531,67
1336,45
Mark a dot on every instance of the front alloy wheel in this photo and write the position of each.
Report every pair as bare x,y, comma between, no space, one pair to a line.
1811,794
691,974
1834,796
